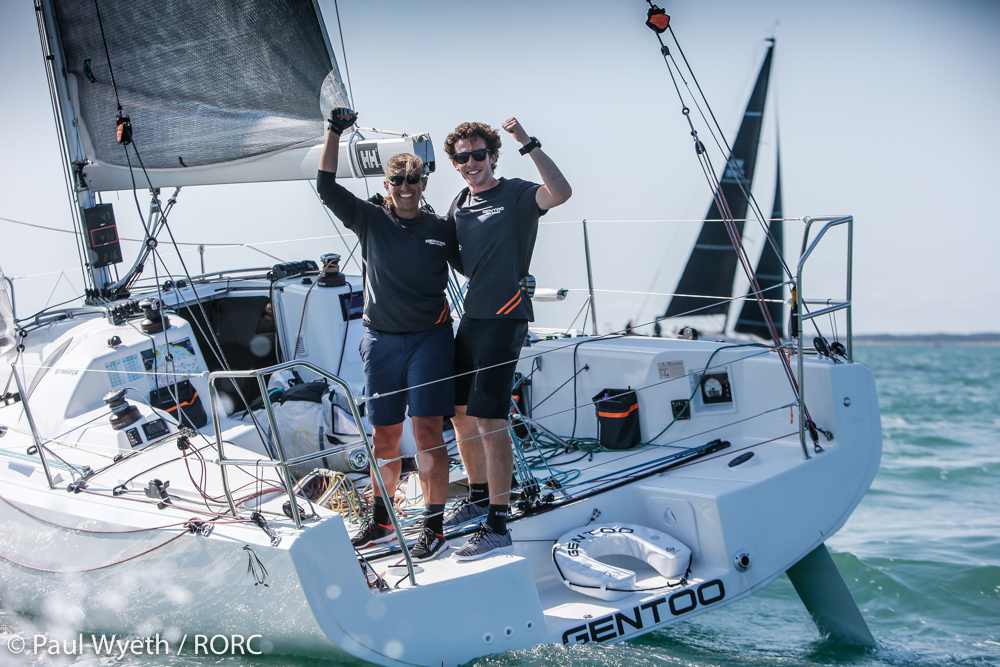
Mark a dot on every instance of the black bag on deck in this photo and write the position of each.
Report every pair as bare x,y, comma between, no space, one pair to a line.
192,412
617,418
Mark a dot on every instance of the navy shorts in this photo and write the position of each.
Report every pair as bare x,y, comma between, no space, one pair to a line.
493,346
395,362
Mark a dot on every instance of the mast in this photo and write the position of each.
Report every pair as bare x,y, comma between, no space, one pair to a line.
215,92
707,281
68,126
769,275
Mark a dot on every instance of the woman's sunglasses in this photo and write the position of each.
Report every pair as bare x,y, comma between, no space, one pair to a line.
478,155
397,179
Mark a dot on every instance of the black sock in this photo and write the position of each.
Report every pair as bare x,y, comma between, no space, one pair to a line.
497,519
434,518
380,513
479,494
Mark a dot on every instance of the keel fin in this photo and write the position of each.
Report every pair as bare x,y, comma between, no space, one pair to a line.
824,593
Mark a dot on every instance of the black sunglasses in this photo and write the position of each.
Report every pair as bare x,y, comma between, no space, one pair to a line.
397,179
478,155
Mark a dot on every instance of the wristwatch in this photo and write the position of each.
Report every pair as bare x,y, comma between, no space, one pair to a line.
530,146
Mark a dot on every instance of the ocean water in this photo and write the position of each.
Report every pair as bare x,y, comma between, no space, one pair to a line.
921,554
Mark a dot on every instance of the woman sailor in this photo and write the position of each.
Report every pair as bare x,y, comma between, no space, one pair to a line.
408,348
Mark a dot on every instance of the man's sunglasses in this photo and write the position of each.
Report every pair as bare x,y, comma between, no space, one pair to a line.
478,155
397,179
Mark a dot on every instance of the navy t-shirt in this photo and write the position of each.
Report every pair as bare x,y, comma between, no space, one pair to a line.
406,260
496,235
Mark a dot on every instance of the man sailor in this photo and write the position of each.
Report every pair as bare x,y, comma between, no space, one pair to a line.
496,221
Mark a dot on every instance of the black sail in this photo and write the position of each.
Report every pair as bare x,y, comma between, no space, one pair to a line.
708,276
769,275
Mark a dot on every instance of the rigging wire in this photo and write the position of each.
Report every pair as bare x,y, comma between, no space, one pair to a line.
720,138
63,141
343,49
163,217
720,196
350,92
574,407
125,138
333,221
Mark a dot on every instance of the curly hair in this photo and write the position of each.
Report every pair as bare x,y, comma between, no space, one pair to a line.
470,131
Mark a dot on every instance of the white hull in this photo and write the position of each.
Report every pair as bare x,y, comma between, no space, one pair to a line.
77,560
141,494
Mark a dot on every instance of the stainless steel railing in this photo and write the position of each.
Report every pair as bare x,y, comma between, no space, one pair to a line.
39,447
831,305
283,463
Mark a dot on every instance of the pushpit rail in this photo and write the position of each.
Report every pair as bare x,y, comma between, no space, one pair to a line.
831,305
282,463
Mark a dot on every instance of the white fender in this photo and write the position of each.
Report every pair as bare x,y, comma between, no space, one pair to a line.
575,557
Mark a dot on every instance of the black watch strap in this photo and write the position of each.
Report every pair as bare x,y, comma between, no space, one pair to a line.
530,146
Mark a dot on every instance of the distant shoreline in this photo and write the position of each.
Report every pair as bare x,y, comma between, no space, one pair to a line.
929,339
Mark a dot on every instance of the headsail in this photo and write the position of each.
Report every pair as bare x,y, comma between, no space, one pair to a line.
205,82
769,275
707,281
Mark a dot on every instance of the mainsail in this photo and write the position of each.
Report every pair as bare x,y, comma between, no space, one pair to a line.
204,82
707,282
769,274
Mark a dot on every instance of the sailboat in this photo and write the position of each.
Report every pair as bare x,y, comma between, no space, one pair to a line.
768,273
705,292
157,481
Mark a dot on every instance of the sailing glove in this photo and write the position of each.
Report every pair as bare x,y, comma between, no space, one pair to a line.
528,285
338,124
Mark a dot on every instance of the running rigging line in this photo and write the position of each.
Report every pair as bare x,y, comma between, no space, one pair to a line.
659,22
125,138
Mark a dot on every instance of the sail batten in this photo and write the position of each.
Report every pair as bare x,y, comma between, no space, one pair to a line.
711,267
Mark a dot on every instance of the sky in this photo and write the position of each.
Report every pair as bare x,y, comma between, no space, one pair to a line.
887,112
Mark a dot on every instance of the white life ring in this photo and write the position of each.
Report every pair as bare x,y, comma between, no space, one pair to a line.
575,558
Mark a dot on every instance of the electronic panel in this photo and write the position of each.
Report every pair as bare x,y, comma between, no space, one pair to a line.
101,236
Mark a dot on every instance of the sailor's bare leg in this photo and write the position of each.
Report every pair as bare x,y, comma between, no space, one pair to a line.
470,445
432,458
499,458
385,441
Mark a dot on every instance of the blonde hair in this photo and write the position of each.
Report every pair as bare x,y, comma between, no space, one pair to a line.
407,163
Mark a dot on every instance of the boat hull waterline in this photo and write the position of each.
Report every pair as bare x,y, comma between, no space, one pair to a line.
143,567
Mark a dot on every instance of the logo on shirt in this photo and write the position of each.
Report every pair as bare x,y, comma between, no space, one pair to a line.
434,242
490,211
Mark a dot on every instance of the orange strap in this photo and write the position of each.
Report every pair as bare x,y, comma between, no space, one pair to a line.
618,415
185,404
